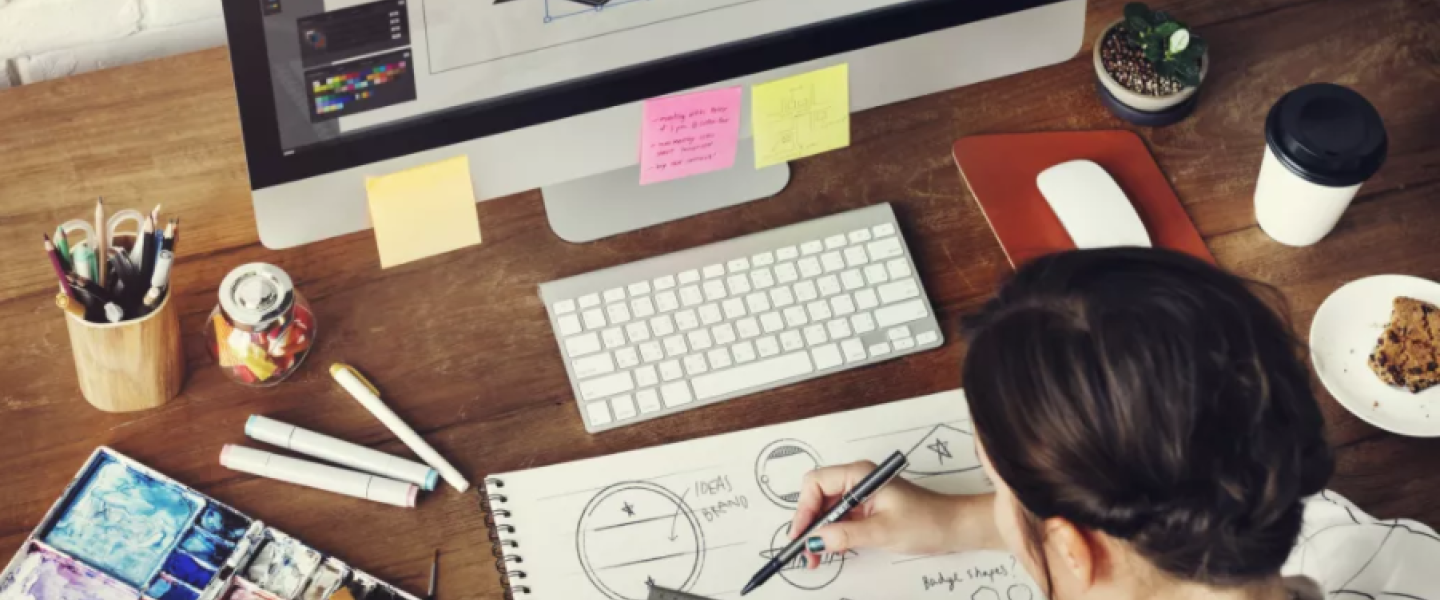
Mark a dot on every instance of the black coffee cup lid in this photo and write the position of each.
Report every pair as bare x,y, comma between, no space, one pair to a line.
1327,134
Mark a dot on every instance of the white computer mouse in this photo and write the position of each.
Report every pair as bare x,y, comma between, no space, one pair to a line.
1092,206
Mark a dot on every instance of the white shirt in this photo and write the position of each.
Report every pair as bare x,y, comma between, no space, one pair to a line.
1345,554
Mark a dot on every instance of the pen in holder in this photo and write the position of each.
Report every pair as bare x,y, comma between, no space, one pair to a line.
131,365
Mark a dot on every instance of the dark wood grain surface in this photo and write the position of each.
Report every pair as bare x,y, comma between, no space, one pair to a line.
460,345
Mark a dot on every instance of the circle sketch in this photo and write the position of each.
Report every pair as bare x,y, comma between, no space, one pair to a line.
781,468
635,534
796,573
1020,592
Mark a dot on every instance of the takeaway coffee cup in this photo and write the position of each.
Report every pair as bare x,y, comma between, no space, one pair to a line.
1322,142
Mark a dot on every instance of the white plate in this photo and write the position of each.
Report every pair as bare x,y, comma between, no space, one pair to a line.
1341,340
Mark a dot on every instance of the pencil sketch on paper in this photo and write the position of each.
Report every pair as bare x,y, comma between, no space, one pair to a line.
797,573
635,534
1362,533
781,467
944,450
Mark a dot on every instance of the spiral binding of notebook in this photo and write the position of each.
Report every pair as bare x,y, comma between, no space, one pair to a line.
502,538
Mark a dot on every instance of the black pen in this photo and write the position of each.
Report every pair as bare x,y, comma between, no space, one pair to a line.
855,497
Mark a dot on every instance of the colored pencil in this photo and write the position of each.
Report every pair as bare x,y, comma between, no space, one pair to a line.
59,268
62,245
101,245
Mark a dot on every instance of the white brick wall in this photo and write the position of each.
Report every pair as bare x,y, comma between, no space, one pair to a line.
46,39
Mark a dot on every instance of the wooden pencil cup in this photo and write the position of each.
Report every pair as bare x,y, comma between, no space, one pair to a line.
131,365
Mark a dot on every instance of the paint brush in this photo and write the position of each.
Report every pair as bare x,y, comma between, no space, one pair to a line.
434,570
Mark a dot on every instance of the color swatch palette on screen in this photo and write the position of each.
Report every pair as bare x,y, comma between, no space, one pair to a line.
334,93
122,531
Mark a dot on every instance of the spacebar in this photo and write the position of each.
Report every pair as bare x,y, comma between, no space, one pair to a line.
755,374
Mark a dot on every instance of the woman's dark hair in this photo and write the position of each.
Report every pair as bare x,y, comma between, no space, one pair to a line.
1151,396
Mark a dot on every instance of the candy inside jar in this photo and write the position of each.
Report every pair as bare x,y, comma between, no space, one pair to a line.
262,329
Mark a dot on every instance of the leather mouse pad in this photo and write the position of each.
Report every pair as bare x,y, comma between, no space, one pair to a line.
1001,171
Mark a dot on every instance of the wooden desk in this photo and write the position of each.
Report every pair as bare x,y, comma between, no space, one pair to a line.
460,342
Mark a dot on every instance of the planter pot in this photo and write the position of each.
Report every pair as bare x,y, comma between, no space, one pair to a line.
1140,108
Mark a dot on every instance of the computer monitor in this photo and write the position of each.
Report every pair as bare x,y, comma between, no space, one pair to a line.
547,93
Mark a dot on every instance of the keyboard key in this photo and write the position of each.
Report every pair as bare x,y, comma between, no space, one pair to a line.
898,268
839,329
603,387
927,337
564,306
883,230
651,352
619,313
812,247
734,308
593,365
599,413
826,357
569,325
719,358
613,337
594,318
714,289
662,326
744,352
713,271
648,400
695,364
786,273
710,314
723,333
738,284
747,327
904,344
614,295
863,322
842,305
819,310
690,295
859,235
809,267
885,249
676,394
699,340
686,320
835,241
853,350
805,291
642,307
583,344
791,341
691,276
832,262
646,376
624,407
758,302
815,335
866,299
667,301
738,265
753,375
876,274
896,291
674,346
626,358
767,346
589,300
829,285
782,297
794,317
670,370
762,278
763,259
855,256
665,283
787,253
639,289
898,332
852,280
772,322
880,349
903,312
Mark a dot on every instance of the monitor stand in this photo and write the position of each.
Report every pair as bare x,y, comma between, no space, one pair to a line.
612,203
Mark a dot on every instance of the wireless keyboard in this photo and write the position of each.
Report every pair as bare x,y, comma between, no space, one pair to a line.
703,325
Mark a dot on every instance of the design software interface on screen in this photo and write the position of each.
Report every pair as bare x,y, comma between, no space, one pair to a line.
341,66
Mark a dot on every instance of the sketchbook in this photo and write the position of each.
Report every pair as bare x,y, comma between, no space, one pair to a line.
702,516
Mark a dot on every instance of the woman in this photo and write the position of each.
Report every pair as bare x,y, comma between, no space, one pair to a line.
1151,433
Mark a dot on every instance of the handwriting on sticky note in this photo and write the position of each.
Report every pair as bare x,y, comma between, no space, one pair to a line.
801,116
690,134
424,211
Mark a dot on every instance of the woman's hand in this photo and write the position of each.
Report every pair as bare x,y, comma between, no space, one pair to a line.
903,517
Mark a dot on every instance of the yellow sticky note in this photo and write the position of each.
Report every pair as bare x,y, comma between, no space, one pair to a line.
424,211
801,116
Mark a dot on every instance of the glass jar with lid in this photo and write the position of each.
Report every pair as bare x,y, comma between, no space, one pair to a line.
262,329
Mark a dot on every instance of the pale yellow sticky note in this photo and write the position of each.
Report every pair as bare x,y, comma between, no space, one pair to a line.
801,116
424,211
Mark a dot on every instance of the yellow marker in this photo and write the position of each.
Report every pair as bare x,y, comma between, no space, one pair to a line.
801,116
424,211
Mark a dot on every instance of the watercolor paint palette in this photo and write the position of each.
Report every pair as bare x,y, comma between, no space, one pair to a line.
122,531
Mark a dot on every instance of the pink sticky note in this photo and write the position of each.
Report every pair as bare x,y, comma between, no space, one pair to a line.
688,135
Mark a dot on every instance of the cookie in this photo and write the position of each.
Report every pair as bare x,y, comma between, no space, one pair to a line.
1408,351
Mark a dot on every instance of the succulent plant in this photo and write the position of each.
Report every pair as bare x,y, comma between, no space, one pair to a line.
1167,44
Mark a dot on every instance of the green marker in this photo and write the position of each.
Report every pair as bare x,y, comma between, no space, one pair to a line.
62,246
